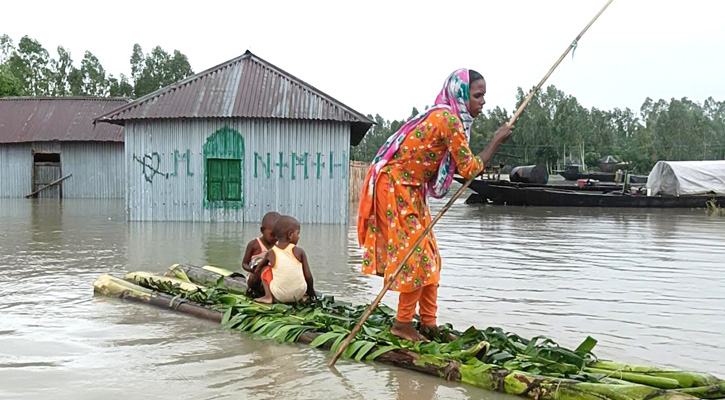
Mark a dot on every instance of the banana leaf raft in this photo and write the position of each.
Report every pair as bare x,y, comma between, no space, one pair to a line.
492,359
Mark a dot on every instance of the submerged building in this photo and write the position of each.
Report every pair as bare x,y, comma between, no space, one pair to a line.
235,142
45,139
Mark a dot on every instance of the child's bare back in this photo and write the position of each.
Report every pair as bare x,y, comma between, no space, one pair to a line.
286,275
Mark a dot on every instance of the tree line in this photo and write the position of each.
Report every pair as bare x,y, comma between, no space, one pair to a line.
555,129
28,69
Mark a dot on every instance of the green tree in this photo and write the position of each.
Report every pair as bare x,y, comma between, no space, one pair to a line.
555,127
571,125
373,140
137,62
120,87
484,126
61,69
75,82
94,80
30,63
7,48
157,69
9,84
29,69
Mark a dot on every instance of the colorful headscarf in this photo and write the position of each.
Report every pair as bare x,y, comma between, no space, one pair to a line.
453,97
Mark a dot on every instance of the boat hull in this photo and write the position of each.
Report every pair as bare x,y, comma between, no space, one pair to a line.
508,194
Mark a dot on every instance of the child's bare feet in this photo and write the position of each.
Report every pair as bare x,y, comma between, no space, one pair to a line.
265,300
406,331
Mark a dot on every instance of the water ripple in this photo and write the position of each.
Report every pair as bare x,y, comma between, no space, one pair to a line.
646,283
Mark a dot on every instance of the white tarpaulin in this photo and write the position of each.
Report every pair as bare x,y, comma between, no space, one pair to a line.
680,178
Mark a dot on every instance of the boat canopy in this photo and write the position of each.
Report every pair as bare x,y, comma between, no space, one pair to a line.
682,178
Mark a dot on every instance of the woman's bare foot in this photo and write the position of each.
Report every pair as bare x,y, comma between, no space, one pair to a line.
406,331
265,300
432,332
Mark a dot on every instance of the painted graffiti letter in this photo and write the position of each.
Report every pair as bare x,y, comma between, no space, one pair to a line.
333,166
185,158
319,164
296,160
265,165
319,161
281,164
150,166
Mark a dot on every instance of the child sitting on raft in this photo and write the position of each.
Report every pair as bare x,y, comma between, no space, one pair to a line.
256,250
286,275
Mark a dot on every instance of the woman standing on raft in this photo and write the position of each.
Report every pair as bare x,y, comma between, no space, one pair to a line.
417,161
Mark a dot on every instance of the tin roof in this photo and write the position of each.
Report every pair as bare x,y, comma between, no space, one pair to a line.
42,119
246,87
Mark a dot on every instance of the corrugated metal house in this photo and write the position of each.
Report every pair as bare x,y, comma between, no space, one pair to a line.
236,141
44,139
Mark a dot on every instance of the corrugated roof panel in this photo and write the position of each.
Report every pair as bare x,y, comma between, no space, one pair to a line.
38,119
275,93
249,91
246,87
257,108
231,89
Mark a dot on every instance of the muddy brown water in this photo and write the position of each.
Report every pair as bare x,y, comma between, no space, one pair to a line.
648,284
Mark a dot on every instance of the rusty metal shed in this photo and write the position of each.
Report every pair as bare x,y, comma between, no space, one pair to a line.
244,87
45,138
236,141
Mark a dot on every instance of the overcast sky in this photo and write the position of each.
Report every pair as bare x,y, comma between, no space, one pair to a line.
387,56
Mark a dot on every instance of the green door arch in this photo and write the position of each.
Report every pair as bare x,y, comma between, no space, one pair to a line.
224,169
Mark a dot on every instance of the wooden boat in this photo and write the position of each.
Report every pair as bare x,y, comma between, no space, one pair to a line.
573,173
538,368
601,195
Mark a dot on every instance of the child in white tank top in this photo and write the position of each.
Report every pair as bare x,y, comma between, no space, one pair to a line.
291,279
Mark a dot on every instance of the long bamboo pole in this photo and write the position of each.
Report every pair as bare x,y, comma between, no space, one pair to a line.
448,205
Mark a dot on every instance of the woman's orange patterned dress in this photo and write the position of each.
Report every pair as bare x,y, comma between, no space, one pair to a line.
396,213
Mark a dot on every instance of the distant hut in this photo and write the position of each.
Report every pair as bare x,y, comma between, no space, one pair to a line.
235,142
611,164
45,139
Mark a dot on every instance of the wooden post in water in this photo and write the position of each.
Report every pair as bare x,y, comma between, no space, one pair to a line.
448,205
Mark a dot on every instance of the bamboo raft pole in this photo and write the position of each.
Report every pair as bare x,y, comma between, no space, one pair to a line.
135,288
111,286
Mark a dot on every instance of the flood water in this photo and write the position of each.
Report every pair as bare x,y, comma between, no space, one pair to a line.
648,284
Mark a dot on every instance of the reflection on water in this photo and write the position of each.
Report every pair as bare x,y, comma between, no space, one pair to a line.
646,283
